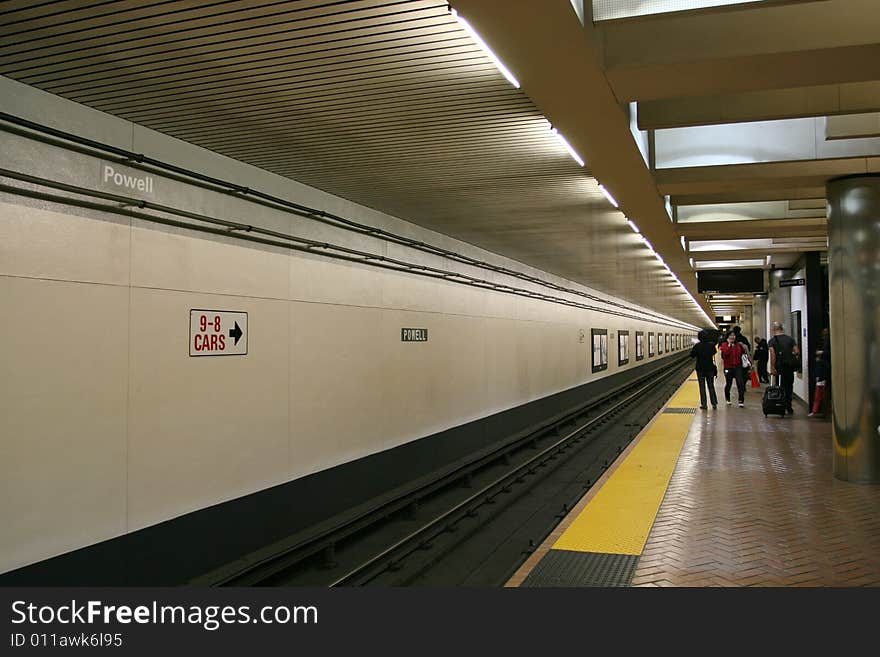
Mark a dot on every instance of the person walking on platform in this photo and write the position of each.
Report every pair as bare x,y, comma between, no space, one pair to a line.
784,353
762,355
743,340
704,352
732,353
823,375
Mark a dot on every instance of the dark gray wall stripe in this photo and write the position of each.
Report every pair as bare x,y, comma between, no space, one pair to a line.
179,549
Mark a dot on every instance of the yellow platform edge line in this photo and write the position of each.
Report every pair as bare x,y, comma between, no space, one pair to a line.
620,516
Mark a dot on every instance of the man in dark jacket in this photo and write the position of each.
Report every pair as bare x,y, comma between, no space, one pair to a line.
737,331
704,351
784,357
762,355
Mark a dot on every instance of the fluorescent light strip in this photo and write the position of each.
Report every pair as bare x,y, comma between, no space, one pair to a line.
610,198
671,273
634,227
571,151
486,49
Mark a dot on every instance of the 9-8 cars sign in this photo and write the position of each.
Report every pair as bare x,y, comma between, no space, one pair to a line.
217,333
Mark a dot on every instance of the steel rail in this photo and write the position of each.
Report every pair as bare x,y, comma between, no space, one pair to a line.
268,562
386,559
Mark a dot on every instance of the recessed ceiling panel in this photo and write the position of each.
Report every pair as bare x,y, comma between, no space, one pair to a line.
745,211
729,264
604,10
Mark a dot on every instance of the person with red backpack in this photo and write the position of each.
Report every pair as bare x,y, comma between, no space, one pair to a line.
732,353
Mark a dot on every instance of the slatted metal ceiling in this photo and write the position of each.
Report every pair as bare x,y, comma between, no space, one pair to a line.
388,104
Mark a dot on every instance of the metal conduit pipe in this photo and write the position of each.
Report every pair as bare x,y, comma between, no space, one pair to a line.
273,238
141,161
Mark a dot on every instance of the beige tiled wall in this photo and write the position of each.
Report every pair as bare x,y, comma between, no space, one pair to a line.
63,416
107,425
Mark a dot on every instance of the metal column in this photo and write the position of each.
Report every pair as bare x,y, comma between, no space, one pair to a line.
759,317
853,276
816,294
779,301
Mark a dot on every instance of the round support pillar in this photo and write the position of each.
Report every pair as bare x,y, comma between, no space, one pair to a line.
854,281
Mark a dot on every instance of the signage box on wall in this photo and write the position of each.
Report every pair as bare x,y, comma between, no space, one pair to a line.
792,282
413,335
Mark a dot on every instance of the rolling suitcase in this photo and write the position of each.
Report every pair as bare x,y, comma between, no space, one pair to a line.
774,401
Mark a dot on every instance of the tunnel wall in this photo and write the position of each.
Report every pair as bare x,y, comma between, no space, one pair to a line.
109,426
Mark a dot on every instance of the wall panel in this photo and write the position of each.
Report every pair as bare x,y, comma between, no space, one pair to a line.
41,243
203,430
64,357
336,362
108,425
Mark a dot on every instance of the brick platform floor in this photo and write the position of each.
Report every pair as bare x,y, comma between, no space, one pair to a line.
753,502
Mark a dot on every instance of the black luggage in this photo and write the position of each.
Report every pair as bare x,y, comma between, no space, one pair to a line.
774,401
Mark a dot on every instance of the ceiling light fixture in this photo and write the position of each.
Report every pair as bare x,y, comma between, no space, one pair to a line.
564,142
486,49
634,227
610,198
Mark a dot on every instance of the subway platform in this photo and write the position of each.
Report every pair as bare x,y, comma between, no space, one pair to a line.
720,497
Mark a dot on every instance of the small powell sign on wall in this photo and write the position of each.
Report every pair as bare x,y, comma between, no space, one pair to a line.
120,177
217,333
413,335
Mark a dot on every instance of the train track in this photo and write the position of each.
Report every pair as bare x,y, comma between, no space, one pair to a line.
471,524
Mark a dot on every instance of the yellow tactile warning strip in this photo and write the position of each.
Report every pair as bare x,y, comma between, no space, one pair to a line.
688,395
544,552
620,516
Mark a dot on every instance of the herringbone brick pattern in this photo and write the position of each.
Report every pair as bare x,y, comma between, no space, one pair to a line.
753,502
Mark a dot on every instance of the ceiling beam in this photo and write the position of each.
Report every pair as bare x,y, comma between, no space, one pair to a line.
752,229
558,62
750,195
764,47
798,241
854,126
735,178
824,100
808,204
762,29
731,298
739,74
751,254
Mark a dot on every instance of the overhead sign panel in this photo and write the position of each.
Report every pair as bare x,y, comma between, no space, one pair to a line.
217,333
792,282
